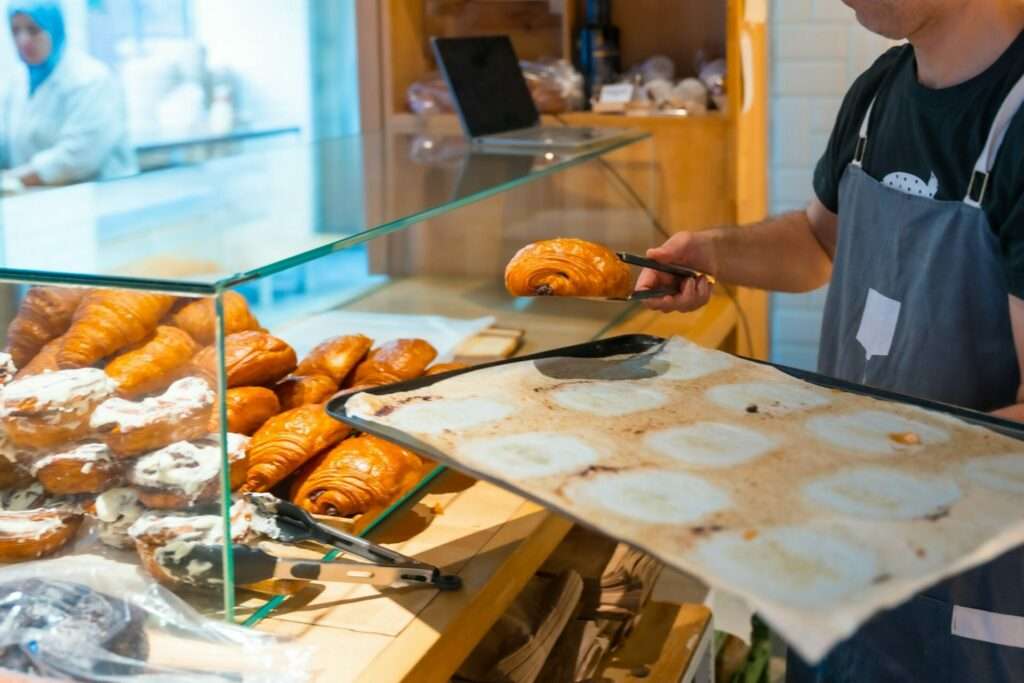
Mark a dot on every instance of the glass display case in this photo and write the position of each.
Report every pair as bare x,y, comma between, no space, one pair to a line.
172,337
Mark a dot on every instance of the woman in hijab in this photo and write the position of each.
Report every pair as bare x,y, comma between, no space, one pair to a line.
63,119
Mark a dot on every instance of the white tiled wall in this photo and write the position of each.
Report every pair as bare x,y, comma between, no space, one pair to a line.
817,50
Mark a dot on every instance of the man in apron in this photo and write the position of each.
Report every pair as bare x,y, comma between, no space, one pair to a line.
918,226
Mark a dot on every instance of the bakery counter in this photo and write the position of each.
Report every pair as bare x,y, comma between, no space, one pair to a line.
494,540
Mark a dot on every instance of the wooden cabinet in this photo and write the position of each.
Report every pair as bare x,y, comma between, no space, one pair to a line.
711,168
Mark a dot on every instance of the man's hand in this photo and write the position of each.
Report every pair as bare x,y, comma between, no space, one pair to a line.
690,249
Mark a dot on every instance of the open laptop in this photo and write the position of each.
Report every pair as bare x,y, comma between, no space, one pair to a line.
494,102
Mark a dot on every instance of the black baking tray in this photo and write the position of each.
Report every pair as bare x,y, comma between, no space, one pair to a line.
639,346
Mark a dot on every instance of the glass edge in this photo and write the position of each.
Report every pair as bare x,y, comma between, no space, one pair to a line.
227,557
634,136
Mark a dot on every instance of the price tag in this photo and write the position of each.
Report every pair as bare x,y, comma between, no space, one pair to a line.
619,93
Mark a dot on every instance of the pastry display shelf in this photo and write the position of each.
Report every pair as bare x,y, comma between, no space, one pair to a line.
203,228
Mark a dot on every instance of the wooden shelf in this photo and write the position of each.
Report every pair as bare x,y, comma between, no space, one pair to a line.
668,645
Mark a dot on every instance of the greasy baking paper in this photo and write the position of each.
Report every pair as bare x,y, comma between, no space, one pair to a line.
816,506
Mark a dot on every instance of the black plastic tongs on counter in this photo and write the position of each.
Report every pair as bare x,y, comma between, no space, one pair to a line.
294,526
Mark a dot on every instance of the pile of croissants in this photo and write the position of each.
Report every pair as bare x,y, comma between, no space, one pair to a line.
111,393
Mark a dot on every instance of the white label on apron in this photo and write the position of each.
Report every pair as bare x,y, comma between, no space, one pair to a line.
990,627
878,324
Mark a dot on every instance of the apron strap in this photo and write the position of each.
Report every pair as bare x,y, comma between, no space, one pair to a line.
979,177
862,139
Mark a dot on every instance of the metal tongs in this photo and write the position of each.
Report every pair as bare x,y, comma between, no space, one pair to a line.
295,526
679,271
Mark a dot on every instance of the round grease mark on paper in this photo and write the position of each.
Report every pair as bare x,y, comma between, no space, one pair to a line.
998,472
792,565
769,398
608,400
710,444
525,456
651,497
873,432
688,361
883,494
435,417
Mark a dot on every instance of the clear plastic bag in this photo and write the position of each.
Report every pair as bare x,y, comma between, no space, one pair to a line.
430,95
88,618
555,85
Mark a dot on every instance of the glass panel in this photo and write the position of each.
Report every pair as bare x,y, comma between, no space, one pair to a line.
441,281
107,434
229,220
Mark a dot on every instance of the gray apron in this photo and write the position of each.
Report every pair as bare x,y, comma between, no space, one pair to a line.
918,304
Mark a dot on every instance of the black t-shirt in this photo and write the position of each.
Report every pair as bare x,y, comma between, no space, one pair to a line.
929,140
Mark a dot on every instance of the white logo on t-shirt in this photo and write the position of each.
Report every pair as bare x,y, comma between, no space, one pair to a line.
909,183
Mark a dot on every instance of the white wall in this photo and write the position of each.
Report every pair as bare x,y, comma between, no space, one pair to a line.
267,43
817,50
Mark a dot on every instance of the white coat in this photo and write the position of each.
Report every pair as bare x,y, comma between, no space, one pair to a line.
71,129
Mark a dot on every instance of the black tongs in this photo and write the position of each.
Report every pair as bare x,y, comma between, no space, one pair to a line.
382,567
639,295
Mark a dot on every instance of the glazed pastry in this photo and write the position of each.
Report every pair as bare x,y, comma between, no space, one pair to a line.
130,428
162,539
152,364
29,534
7,369
84,468
248,408
395,361
360,473
187,472
295,391
44,361
107,321
335,357
12,474
250,359
287,441
29,497
567,267
44,314
441,368
199,319
115,511
51,409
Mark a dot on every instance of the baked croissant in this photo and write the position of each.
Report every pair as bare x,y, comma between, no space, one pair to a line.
199,319
248,408
287,441
107,321
335,357
295,391
440,368
567,267
44,361
395,361
250,359
360,473
43,315
151,365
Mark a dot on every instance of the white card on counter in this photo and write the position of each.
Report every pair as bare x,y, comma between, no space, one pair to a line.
618,93
878,324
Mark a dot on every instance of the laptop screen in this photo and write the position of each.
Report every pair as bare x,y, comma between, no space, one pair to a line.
486,83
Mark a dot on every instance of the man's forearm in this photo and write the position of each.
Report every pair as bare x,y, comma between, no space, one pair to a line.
781,253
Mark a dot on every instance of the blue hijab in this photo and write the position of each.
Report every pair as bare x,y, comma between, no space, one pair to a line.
48,16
